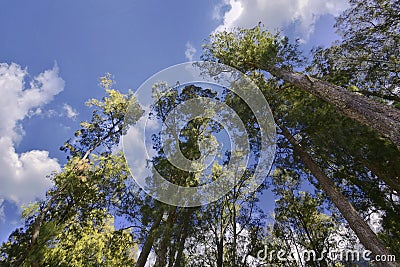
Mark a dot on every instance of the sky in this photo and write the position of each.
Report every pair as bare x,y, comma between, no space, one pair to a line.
52,54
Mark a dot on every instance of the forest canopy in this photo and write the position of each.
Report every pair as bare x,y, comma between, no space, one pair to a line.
335,170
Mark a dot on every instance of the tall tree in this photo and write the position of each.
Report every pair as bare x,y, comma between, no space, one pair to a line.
222,229
90,181
366,59
254,49
300,220
249,50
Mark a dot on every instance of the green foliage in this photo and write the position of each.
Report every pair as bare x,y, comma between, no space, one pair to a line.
91,243
29,210
364,166
300,221
243,49
367,58
73,226
110,120
251,49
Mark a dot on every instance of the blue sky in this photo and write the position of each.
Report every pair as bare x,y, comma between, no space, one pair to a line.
64,46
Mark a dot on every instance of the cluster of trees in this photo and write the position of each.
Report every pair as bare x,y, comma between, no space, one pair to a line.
337,163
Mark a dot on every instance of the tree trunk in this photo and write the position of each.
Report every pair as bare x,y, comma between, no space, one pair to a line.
144,254
161,260
183,235
220,252
364,233
381,117
234,238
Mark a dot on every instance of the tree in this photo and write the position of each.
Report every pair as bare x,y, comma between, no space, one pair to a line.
163,231
84,193
367,57
90,243
330,121
254,49
230,221
251,50
361,164
301,224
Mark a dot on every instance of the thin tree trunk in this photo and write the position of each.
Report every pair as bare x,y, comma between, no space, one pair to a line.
144,254
183,235
181,246
161,260
295,243
234,241
381,117
220,252
220,241
173,251
364,233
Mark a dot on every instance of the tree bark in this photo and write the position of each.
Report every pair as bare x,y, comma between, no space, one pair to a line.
364,233
183,236
220,252
144,254
161,260
381,117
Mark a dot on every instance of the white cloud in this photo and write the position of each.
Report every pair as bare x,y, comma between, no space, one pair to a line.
23,176
277,14
136,147
217,12
190,51
70,112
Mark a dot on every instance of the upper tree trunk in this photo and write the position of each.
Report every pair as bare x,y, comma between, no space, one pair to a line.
364,233
381,117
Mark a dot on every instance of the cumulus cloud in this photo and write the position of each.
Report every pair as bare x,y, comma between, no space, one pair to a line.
70,112
23,176
276,14
190,51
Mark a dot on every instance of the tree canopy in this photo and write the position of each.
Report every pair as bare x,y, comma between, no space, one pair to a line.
337,162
